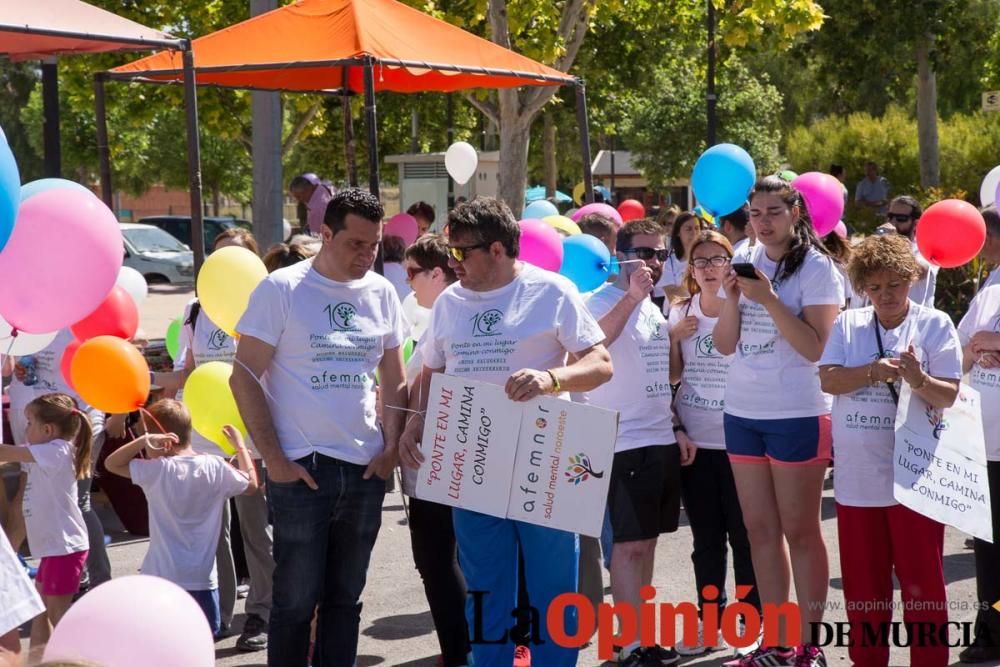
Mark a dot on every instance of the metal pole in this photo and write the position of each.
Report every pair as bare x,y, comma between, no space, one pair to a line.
581,121
612,170
103,149
194,159
350,146
710,97
370,123
50,119
450,114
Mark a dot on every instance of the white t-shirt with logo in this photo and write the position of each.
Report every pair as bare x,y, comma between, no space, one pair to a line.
640,387
768,379
329,338
864,420
185,496
984,315
701,397
52,517
532,322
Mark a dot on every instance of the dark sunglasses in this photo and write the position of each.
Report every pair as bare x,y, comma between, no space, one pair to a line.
458,252
646,253
414,271
899,217
703,262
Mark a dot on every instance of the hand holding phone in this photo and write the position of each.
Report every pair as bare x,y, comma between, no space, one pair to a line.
745,270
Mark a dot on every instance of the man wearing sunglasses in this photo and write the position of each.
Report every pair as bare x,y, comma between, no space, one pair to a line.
644,495
514,325
903,215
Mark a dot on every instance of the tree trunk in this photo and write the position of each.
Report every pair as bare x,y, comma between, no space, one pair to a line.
927,131
549,148
515,132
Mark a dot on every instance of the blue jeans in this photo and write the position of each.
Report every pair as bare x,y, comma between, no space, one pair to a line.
208,600
322,544
487,553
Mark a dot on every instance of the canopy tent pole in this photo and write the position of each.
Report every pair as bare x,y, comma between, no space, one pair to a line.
370,123
194,158
350,148
581,119
103,149
50,117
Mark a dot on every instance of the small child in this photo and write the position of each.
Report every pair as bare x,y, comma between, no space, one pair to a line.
58,454
185,492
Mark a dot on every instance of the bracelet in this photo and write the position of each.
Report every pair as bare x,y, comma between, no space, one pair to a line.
923,381
556,387
680,427
871,368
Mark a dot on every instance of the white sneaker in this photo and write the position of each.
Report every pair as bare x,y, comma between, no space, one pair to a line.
747,650
696,649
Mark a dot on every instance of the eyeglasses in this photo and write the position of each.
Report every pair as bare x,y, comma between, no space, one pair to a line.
899,217
458,252
414,271
703,262
646,253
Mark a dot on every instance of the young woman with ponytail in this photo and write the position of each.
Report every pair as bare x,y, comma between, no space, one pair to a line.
777,419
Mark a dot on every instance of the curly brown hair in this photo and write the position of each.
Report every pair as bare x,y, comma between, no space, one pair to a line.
878,253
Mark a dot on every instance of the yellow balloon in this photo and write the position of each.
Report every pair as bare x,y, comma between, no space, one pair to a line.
563,225
210,400
225,282
578,194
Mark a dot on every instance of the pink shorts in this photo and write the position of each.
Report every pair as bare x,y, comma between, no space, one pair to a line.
60,575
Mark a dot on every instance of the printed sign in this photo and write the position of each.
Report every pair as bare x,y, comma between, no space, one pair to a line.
546,462
940,461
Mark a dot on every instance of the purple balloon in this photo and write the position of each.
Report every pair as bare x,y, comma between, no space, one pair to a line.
541,245
601,209
824,198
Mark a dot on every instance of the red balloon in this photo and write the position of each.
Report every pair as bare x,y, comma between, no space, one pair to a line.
116,316
67,361
950,233
631,209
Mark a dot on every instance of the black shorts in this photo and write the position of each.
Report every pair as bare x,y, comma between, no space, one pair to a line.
645,494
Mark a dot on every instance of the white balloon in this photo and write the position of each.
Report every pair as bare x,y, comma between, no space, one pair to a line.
134,283
988,190
23,343
461,161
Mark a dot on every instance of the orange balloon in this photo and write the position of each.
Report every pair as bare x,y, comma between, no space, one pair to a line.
110,374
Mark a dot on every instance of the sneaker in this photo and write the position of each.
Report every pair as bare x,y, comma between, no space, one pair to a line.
765,657
522,656
254,636
666,656
694,649
810,655
750,648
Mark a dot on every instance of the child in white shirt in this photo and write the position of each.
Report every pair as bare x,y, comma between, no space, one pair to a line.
58,454
185,492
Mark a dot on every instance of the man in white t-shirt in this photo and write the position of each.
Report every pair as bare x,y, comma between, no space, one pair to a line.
644,494
511,324
312,338
904,215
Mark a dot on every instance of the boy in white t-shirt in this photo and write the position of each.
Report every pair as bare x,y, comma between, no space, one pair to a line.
185,492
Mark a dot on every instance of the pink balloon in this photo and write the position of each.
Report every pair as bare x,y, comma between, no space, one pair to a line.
541,245
824,198
135,620
601,209
61,261
404,226
841,229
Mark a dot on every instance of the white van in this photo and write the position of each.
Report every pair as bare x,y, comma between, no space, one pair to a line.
157,255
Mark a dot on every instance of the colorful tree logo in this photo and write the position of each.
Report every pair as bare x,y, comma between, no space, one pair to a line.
580,470
936,419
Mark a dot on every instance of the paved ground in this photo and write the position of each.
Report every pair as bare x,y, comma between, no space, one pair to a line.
396,624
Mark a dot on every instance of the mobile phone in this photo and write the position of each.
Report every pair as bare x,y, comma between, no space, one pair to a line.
745,270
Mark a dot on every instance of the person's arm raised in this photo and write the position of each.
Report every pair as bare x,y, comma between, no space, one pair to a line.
253,356
640,284
726,334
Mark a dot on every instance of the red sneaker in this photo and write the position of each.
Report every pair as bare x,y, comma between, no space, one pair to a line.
522,656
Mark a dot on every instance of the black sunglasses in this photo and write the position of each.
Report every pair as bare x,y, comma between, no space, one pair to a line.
646,253
899,217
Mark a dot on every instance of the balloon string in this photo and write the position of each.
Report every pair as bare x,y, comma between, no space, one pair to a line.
143,413
273,400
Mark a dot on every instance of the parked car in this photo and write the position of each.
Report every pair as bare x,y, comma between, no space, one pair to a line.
179,226
157,255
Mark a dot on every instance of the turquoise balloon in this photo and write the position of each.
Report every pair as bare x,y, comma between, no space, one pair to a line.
722,178
586,261
10,182
539,210
43,184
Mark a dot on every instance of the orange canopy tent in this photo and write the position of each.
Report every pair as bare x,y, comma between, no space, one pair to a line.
355,46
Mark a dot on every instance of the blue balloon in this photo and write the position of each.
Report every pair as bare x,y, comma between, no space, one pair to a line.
41,185
539,209
586,261
722,179
10,185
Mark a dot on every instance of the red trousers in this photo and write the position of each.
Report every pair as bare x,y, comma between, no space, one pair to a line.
874,541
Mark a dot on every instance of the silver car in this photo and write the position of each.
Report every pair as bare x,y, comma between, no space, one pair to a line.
157,255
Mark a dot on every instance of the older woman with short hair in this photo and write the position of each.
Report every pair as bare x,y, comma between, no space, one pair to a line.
870,353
